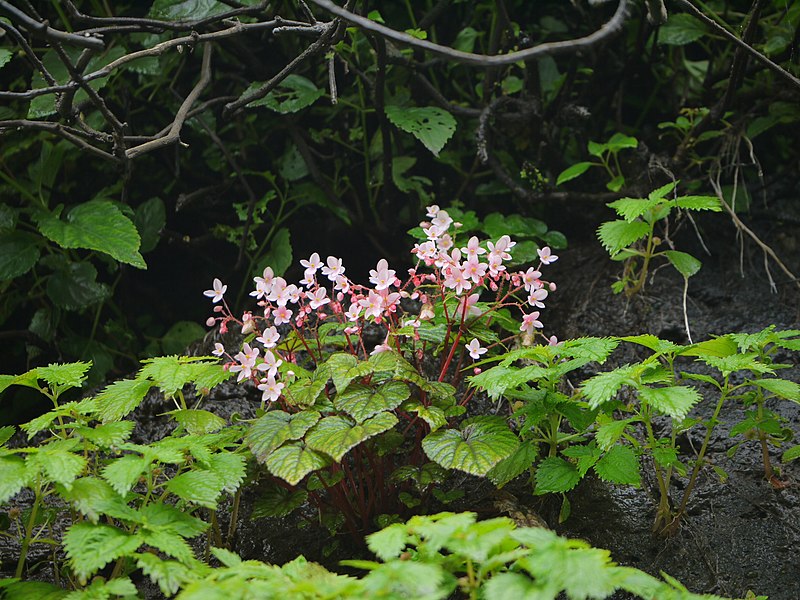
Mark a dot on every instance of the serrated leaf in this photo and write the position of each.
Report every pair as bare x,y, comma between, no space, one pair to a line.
631,208
617,235
74,286
686,264
168,542
781,388
276,427
585,456
96,225
94,497
278,502
107,435
361,402
389,542
719,347
91,547
197,421
19,251
305,392
432,415
698,203
201,487
619,465
608,434
674,401
680,29
738,362
554,474
512,466
123,472
572,172
335,435
119,399
604,386
58,462
792,453
294,461
6,433
230,468
430,125
652,342
479,445
13,477
170,575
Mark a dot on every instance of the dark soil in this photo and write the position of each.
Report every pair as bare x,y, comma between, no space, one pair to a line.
739,535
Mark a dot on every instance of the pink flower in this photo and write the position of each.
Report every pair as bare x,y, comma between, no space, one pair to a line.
312,264
545,256
270,364
474,269
432,210
269,338
475,349
473,247
442,220
263,284
530,321
218,350
334,268
284,315
536,296
468,302
318,298
455,280
372,305
382,276
271,389
248,324
353,312
217,292
530,279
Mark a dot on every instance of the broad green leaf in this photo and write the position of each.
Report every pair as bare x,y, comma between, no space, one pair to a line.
512,466
781,388
123,473
675,401
150,218
276,427
6,55
686,264
479,445
631,208
572,172
69,374
197,421
94,498
119,399
430,125
91,547
58,462
108,434
655,344
585,457
662,192
698,203
294,461
620,141
344,367
361,402
792,453
101,589
718,347
617,235
230,468
168,542
74,286
278,502
292,95
305,392
335,435
170,575
432,415
680,29
554,474
604,386
96,225
608,433
6,433
619,465
738,362
201,487
19,251
390,541
13,477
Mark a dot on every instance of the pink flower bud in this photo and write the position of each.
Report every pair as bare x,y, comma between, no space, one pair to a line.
552,286
477,370
210,322
218,308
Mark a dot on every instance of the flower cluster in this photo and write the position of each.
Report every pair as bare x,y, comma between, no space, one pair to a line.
446,276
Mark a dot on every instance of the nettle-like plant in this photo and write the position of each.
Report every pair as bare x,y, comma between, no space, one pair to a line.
369,425
607,156
633,238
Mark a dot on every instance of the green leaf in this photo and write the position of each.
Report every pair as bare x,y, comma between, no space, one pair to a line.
675,401
572,172
119,399
432,415
278,502
335,435
430,125
107,435
718,347
19,251
6,55
150,218
390,541
69,374
170,575
686,264
91,547
608,434
617,235
655,344
198,422
792,453
698,203
361,402
479,445
6,433
293,94
681,29
279,256
781,388
13,477
344,367
294,461
58,462
620,141
604,386
631,208
738,362
168,542
180,336
619,465
269,432
181,10
96,225
554,474
201,487
230,468
511,467
123,472
74,286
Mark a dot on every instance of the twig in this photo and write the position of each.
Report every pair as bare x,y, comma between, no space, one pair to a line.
70,134
612,27
174,132
43,30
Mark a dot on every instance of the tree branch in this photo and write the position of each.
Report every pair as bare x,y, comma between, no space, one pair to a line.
43,30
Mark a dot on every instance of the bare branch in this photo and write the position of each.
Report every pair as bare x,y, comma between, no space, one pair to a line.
76,136
174,132
609,29
43,30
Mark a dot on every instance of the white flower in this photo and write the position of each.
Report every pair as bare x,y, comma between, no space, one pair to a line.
216,293
475,349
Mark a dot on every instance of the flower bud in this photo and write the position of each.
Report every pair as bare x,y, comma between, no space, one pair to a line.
552,286
210,322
